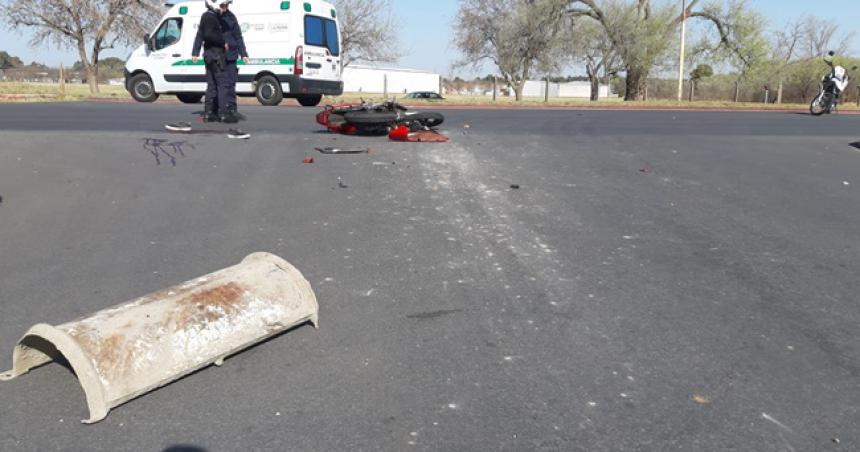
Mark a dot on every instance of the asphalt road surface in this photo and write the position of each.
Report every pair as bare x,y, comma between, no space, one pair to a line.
659,281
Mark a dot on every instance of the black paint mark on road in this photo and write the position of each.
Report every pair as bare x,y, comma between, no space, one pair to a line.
160,147
432,314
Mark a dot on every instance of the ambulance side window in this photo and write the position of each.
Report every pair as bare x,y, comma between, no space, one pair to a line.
168,33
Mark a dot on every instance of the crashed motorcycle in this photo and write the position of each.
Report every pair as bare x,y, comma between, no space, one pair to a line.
368,118
831,87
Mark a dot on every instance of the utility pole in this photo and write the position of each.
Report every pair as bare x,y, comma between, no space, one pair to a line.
681,58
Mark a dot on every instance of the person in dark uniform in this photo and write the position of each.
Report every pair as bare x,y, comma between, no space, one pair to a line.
235,50
221,38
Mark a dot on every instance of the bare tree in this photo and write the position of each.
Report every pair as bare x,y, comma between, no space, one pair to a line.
642,32
90,26
820,36
518,36
367,30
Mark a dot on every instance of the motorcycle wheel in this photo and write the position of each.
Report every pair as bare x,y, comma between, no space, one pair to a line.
817,108
370,118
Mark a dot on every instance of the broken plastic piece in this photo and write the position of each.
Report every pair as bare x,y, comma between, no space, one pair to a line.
130,349
402,133
308,160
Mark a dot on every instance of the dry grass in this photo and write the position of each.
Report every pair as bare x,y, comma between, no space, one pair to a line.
50,92
585,103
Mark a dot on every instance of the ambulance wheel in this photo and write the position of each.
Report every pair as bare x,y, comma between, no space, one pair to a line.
309,101
189,98
269,91
142,89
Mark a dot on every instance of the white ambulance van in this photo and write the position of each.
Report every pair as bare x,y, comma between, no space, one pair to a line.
293,45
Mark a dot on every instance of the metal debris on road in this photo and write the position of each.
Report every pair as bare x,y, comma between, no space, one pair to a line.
701,399
515,186
329,150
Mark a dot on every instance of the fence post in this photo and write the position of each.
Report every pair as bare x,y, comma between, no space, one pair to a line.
62,81
385,85
737,90
766,93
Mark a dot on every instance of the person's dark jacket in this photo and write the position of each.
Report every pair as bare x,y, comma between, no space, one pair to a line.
209,36
233,35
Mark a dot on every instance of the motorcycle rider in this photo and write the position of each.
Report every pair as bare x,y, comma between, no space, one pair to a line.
838,79
221,38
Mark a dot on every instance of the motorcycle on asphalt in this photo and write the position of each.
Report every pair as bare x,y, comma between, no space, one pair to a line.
831,87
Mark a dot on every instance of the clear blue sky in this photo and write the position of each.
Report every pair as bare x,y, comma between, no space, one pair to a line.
425,29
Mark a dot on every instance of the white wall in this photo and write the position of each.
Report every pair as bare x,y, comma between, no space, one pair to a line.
366,79
535,88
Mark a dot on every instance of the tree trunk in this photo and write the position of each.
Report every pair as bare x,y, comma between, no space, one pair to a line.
594,78
737,90
90,68
692,90
518,89
93,78
779,93
636,77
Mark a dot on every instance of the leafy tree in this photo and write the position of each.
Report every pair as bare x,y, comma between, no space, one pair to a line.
517,36
8,61
642,32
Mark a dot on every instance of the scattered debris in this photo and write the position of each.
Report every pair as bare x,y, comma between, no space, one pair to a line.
402,133
329,150
341,184
701,399
181,329
645,169
835,440
308,160
776,422
846,183
515,186
433,314
466,126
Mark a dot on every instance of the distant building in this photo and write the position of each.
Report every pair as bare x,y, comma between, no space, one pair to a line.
376,80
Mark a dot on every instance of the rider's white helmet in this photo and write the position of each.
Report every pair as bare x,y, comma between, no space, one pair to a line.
215,4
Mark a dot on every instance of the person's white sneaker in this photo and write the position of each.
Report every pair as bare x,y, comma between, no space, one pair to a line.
238,134
178,127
